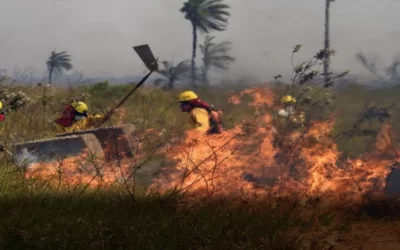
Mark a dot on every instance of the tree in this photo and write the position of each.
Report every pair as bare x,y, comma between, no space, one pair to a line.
3,75
172,73
327,40
58,62
205,16
393,71
215,55
391,74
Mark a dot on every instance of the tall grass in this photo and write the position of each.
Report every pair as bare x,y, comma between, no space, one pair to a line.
34,216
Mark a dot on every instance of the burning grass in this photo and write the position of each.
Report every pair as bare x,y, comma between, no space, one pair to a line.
255,186
268,163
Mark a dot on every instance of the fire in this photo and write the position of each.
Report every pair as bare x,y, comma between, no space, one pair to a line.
253,160
91,169
248,161
79,170
88,168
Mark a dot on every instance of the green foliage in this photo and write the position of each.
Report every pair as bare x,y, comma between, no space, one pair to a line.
99,89
13,100
113,221
314,97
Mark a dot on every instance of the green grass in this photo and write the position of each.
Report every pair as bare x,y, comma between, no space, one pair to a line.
112,222
35,217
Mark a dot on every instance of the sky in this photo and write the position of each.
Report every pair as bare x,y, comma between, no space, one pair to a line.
99,34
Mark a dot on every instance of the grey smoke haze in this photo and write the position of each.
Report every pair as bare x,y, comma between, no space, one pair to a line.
99,34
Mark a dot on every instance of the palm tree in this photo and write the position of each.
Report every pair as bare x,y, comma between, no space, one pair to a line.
206,16
215,55
389,75
393,71
172,73
58,62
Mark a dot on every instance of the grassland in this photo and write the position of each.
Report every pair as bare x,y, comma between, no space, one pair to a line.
35,217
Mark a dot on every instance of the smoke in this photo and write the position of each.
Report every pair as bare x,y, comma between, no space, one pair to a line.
99,34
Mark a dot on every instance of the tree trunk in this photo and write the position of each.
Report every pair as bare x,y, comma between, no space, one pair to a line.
50,75
194,48
327,41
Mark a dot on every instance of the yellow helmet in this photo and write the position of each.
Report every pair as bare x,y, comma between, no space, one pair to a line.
187,96
1,105
288,99
80,107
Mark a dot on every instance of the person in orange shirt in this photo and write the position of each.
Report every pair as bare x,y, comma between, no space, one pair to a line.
201,115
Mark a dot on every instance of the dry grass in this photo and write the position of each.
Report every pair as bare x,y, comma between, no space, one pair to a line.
33,217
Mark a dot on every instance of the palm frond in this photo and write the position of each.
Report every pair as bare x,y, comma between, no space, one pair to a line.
207,15
370,65
173,73
220,48
59,61
65,65
216,54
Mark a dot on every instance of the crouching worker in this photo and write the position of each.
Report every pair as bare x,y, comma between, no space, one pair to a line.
202,116
75,117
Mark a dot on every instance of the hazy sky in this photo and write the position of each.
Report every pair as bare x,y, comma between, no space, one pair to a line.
99,34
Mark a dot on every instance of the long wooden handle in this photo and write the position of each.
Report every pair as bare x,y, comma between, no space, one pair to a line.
109,114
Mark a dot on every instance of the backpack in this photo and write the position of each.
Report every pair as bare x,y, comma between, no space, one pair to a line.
67,117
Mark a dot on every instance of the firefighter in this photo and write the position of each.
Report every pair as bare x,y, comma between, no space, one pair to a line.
289,112
2,113
75,117
287,109
202,116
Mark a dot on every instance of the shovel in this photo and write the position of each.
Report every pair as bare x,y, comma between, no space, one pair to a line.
150,61
95,140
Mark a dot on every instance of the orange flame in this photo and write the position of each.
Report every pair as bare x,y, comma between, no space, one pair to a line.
252,160
87,168
247,161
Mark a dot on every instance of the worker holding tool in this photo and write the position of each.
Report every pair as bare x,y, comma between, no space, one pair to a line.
75,117
202,116
289,112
